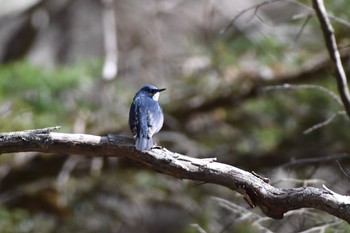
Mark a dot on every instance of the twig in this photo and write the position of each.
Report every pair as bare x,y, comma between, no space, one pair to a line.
316,160
322,228
245,214
320,88
305,183
307,19
255,7
339,20
331,44
312,13
324,123
199,228
341,168
66,171
305,86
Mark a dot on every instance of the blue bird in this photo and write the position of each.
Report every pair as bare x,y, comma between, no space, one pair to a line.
146,116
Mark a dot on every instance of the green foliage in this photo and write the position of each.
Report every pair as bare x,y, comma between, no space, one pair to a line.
11,221
21,77
228,52
270,50
20,221
338,8
32,96
269,53
276,120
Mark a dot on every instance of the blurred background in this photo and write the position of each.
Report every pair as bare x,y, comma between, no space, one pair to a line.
78,64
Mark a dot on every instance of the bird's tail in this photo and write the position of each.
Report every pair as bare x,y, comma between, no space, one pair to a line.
144,143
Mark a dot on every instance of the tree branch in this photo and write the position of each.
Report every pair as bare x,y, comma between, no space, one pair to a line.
331,44
274,202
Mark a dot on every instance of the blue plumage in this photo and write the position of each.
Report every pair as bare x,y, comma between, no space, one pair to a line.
146,116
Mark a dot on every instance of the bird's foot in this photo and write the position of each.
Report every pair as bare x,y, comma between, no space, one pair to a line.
155,146
111,137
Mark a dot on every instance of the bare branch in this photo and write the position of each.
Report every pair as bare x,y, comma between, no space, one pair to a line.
304,86
307,19
274,202
320,88
344,172
324,123
245,214
317,160
331,45
339,20
323,227
254,7
198,228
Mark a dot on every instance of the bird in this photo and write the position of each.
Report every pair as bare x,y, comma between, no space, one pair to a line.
146,117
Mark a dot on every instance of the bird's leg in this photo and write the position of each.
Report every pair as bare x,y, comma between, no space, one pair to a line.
155,146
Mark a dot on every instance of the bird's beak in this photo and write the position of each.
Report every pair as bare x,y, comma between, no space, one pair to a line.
161,89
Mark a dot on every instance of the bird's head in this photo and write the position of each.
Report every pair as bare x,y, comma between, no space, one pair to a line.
151,91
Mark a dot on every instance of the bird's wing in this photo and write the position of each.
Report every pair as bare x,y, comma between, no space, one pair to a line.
133,119
141,119
155,118
138,122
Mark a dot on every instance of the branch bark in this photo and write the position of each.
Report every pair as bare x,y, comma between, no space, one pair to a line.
331,44
274,202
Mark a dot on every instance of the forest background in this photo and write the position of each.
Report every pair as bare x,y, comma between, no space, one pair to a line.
224,63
